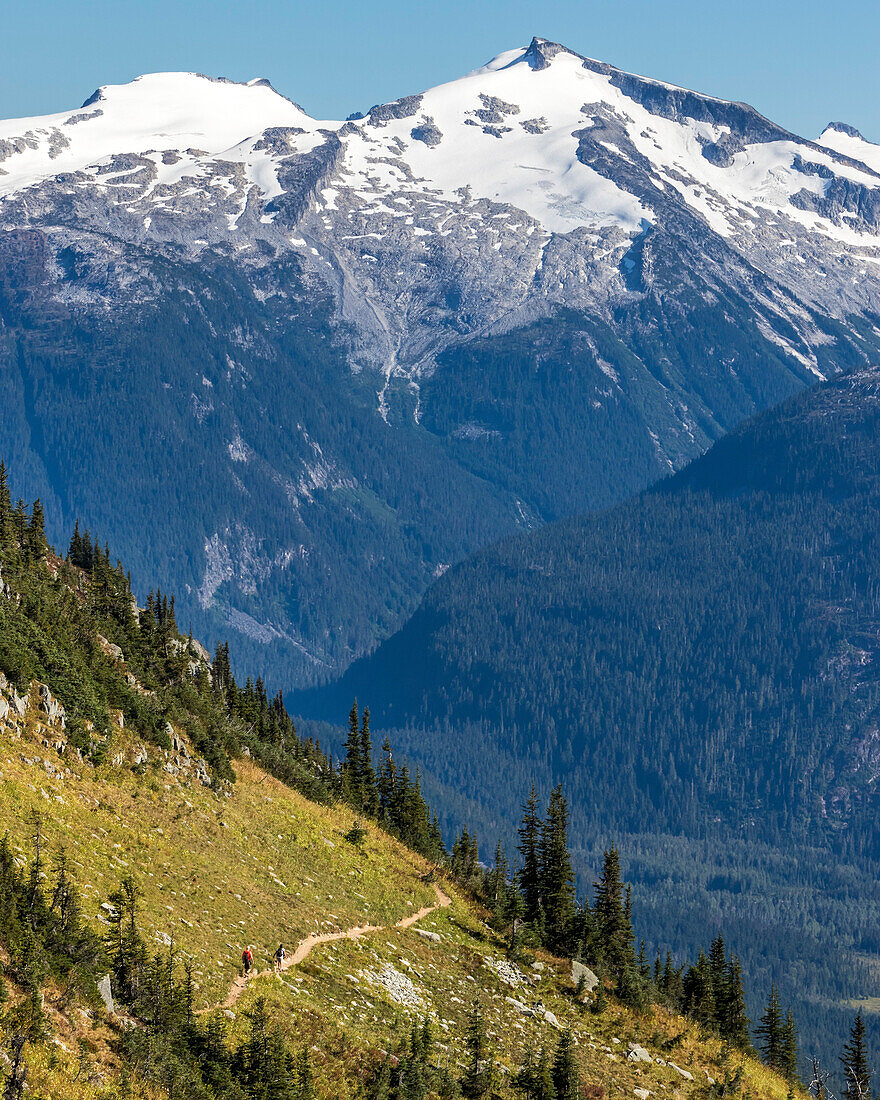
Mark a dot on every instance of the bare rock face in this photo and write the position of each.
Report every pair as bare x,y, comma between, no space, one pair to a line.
51,708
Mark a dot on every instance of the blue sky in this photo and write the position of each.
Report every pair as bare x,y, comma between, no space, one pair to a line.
801,63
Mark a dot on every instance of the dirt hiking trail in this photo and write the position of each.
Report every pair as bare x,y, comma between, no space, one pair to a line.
305,947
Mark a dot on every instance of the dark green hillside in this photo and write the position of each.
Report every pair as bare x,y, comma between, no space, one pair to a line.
688,654
699,666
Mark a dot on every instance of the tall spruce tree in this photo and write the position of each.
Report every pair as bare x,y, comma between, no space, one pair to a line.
857,1073
534,1079
367,778
479,1075
386,782
496,882
566,1080
735,1023
557,877
6,524
613,924
789,1052
699,1001
769,1031
530,867
718,979
352,766
36,533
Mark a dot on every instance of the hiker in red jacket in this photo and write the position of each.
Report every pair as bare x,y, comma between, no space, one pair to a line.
247,958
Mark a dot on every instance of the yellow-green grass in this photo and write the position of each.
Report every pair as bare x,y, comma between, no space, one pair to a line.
264,865
259,867
329,1004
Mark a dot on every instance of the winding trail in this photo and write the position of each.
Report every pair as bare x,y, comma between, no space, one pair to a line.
305,947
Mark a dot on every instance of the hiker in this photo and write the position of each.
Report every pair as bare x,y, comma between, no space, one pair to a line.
247,958
280,956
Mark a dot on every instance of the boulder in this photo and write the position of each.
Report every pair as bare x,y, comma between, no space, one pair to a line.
537,965
426,935
20,704
686,1074
106,993
636,1053
4,709
579,970
642,1094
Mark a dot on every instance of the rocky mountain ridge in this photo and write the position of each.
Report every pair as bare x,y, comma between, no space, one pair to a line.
542,285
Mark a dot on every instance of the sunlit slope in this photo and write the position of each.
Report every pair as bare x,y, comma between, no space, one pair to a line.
264,865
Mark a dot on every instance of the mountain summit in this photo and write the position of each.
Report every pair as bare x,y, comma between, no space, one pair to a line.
362,349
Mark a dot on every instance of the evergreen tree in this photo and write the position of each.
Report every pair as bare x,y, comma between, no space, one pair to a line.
74,550
557,877
600,1000
304,1088
613,923
352,765
534,1079
263,1062
367,777
566,1081
386,782
479,1075
718,980
36,533
735,1022
698,998
6,522
529,849
496,883
789,1050
769,1031
857,1073
20,524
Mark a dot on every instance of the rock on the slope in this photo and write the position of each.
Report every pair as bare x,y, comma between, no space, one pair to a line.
434,937
508,972
636,1053
581,970
398,986
110,648
106,993
50,706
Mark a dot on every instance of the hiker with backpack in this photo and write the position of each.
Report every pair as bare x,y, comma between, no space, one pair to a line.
247,959
280,956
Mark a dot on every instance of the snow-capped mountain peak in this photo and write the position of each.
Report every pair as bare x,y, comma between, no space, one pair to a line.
537,177
159,113
846,140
